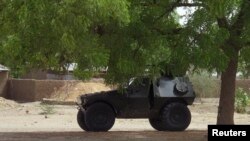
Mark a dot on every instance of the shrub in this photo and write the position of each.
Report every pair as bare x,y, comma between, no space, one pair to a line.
47,109
241,100
205,85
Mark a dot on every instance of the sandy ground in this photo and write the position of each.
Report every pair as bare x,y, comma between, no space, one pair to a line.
30,117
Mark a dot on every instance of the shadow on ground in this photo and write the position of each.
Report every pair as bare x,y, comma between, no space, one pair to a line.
190,135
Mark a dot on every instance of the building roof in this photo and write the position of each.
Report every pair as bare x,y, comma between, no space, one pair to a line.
3,68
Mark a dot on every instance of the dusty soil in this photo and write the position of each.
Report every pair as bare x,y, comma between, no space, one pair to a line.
32,117
4,103
29,121
106,136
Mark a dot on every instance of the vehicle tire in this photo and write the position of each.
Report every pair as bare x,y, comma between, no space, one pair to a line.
81,120
99,117
176,117
156,123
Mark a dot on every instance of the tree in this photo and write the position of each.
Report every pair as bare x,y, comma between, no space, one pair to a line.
131,37
47,34
224,26
215,36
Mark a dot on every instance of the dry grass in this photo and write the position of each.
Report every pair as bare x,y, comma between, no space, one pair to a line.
209,87
70,91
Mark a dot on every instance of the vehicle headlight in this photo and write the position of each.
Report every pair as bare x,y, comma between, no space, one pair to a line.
181,88
79,100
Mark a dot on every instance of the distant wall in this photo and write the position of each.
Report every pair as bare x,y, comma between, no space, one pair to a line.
3,83
21,90
45,88
35,90
45,75
32,90
35,74
244,83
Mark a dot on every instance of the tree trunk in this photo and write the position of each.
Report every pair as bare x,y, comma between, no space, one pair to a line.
227,93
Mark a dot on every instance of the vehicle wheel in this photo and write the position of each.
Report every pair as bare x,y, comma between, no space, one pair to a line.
81,120
99,117
156,123
176,117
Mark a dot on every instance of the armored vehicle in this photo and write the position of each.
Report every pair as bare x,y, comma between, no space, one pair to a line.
163,101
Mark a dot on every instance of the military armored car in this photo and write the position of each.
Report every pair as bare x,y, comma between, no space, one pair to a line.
164,101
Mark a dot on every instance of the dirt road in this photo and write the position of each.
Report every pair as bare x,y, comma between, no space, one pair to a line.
106,136
27,122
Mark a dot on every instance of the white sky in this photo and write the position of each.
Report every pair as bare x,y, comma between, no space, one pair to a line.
184,12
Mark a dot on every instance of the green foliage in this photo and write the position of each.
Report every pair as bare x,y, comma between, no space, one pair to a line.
222,7
139,48
130,37
241,101
49,34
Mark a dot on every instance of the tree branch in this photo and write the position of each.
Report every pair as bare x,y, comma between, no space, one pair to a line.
190,5
248,44
237,26
168,10
179,4
222,22
169,32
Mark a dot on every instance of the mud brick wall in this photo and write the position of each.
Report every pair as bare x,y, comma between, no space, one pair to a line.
29,90
3,83
35,90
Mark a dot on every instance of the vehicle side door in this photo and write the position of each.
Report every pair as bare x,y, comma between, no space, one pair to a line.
138,103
